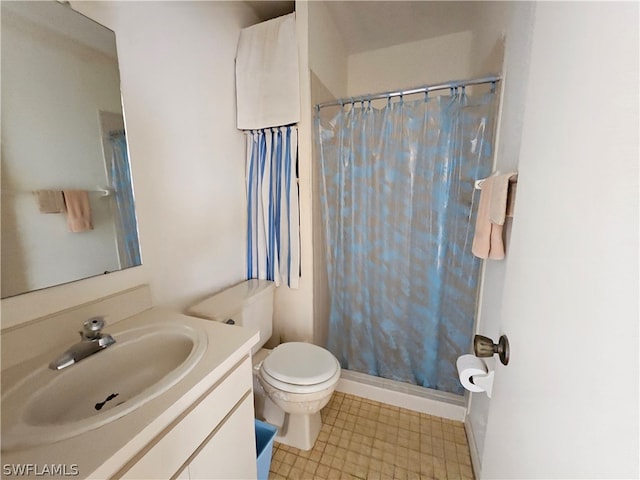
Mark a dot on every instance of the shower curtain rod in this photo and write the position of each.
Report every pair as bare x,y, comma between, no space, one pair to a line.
398,93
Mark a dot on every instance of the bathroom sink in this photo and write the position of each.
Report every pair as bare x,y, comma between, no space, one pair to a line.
49,405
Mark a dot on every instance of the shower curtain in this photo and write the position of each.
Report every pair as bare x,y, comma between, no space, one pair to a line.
126,224
397,187
273,223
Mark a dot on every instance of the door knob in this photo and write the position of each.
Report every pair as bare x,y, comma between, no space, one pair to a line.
484,347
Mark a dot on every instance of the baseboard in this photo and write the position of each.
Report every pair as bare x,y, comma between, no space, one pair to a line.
398,394
473,449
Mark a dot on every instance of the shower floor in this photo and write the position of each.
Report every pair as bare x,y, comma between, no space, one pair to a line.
365,439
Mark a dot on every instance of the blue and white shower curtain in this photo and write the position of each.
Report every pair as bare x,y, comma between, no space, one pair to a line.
273,228
126,224
397,188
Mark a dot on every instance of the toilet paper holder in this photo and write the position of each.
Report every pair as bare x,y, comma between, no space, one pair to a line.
484,347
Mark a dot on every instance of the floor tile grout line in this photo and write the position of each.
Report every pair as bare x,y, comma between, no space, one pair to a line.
385,431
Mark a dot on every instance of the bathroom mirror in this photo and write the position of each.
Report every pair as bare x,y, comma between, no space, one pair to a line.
62,129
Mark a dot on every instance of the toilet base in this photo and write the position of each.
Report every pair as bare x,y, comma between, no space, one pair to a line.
296,415
300,431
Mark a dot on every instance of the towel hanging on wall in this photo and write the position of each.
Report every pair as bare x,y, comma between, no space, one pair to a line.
267,78
496,203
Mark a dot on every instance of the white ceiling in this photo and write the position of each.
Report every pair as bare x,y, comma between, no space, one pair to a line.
369,25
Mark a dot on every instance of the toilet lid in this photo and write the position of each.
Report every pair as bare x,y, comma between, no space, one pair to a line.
300,363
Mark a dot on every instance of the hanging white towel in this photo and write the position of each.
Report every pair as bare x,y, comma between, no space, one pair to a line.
267,78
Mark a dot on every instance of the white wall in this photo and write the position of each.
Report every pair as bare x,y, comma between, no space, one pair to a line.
413,64
328,64
293,309
468,54
489,30
320,50
321,296
567,404
327,53
178,84
51,141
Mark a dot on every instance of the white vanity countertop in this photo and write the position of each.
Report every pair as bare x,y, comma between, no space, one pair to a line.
100,453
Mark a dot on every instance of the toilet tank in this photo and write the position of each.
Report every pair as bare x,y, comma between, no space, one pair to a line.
249,304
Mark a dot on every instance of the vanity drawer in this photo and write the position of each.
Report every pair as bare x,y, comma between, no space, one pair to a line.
169,452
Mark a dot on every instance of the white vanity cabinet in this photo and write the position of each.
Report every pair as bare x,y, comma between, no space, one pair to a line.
226,454
199,426
213,439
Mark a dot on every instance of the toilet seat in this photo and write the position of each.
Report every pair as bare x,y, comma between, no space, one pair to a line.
299,389
300,367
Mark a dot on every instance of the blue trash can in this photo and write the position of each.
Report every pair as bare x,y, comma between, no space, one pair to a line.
265,433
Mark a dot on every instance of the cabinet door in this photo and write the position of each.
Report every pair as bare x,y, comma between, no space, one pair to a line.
168,455
230,453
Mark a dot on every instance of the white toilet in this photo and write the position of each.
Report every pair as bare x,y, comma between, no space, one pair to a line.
295,380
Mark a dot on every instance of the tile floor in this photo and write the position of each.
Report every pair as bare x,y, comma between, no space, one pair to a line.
363,439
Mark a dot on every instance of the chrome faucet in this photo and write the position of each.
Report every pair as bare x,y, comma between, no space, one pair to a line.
93,341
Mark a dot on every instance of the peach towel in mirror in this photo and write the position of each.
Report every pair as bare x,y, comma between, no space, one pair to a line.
78,210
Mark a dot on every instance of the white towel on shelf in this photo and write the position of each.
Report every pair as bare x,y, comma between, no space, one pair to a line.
267,76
